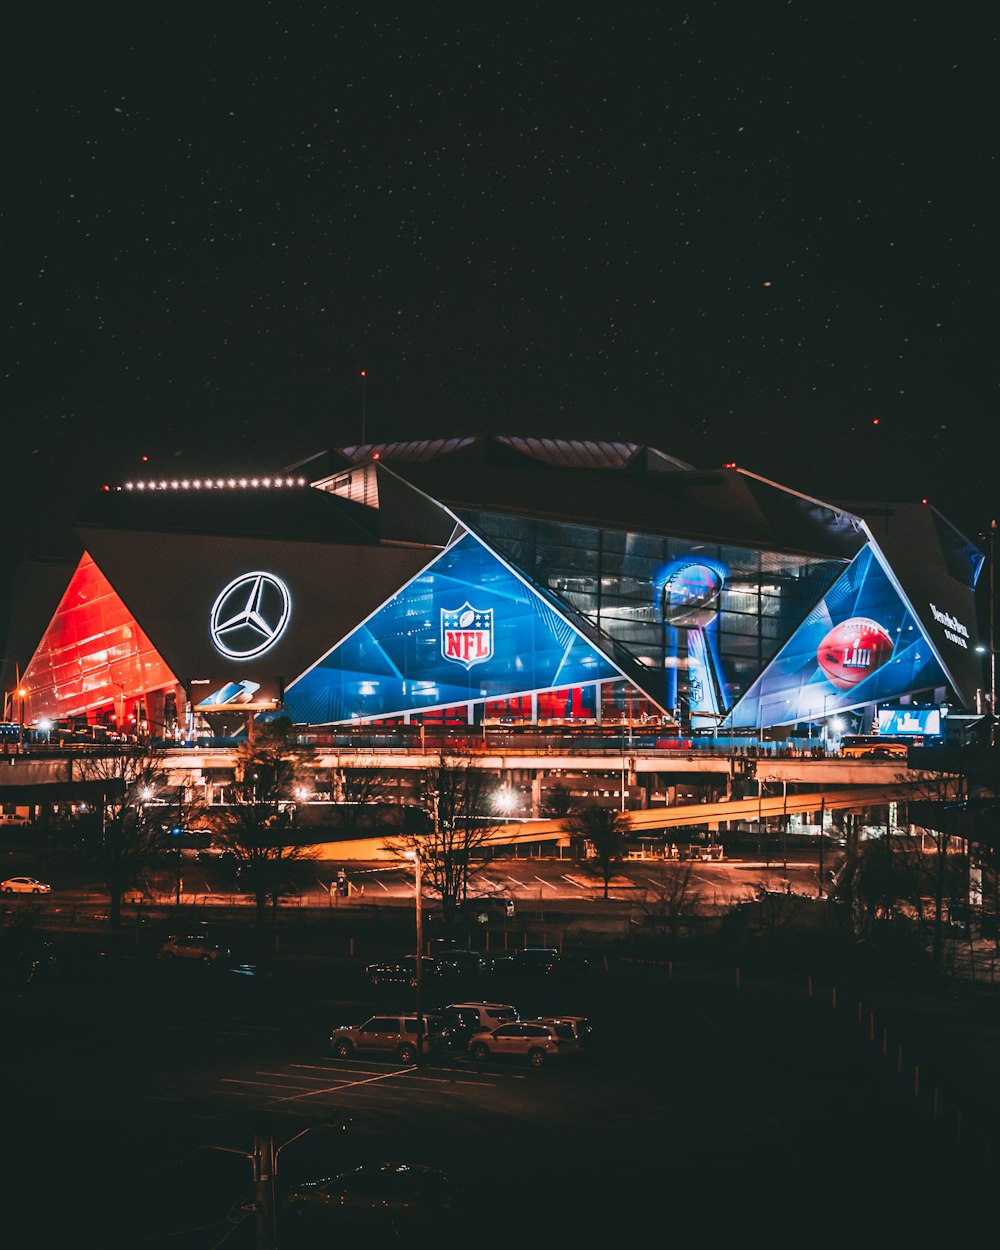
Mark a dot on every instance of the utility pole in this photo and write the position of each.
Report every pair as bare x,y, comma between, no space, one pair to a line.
264,1161
993,655
263,1185
822,822
180,837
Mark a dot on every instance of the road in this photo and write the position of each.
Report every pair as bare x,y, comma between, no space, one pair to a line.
529,882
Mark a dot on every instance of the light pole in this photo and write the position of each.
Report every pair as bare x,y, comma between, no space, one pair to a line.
264,1161
990,649
822,822
993,654
419,969
180,826
784,827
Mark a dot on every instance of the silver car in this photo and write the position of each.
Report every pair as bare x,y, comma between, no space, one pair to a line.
575,1032
521,1039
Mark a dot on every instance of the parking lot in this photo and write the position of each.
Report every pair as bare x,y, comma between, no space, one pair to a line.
139,1089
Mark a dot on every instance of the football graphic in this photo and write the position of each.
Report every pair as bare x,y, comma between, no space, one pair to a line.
690,596
853,650
466,619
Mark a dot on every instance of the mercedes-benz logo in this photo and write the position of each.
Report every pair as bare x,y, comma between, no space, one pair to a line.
250,615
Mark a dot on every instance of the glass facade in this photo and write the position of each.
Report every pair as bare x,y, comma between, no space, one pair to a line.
517,620
94,657
701,620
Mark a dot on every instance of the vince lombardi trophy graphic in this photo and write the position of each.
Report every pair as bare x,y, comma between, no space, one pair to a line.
689,605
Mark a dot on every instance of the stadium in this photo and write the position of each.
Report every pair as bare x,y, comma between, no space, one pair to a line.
500,581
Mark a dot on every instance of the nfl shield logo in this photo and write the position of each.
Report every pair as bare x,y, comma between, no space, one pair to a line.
467,635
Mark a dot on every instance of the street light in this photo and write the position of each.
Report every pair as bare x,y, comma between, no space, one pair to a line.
504,801
419,972
264,1161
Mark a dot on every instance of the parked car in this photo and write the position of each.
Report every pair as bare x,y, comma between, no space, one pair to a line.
216,855
575,1032
542,961
25,885
393,1036
401,971
194,946
465,1019
522,1039
490,907
462,963
26,957
383,1197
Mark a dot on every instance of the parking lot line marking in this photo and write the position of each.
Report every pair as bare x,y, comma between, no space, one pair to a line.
242,1080
458,1079
576,884
548,883
264,1072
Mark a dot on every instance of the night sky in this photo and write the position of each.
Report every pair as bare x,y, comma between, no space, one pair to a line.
750,232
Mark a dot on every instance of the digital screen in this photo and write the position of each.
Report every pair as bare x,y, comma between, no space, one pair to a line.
860,644
465,629
246,694
898,721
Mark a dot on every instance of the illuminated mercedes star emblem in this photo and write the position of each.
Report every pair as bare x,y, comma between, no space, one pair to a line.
250,615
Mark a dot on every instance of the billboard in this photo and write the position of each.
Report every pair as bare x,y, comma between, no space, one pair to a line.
247,694
923,722
860,644
466,629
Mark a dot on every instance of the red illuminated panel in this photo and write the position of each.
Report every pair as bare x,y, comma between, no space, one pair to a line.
93,653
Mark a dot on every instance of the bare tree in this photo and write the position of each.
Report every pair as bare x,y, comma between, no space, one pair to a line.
462,823
607,831
672,902
878,881
257,824
940,808
126,836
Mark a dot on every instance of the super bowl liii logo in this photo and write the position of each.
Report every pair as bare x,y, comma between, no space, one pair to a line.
467,635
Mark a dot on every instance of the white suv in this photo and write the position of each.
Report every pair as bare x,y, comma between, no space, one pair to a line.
464,1019
533,1040
390,1036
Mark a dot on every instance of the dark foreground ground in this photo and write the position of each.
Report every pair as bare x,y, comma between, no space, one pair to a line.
773,1091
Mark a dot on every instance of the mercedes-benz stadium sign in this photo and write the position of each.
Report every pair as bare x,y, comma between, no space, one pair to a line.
250,615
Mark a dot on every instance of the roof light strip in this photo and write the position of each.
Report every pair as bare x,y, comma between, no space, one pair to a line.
215,483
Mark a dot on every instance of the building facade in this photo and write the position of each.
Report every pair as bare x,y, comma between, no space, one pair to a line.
504,581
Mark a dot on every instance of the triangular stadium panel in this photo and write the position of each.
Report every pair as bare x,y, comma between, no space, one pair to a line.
861,644
937,569
465,629
93,650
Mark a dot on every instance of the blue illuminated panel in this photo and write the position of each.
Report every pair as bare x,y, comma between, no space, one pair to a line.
464,629
920,722
860,645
